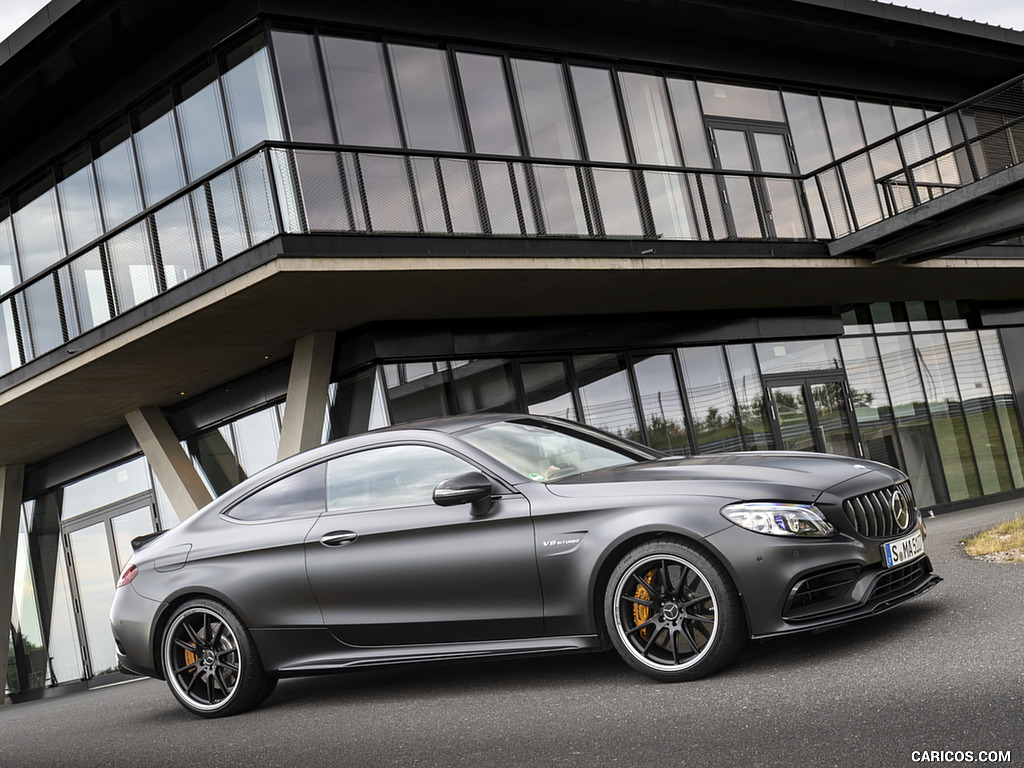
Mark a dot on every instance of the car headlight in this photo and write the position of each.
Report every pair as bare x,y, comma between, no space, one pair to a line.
779,518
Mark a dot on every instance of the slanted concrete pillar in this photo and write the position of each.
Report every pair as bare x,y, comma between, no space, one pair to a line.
307,394
172,466
11,482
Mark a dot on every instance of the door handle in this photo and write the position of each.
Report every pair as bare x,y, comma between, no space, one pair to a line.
338,538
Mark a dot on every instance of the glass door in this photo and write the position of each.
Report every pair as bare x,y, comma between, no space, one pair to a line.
99,544
752,200
812,413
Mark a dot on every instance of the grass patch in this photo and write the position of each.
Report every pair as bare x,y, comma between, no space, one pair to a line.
1004,542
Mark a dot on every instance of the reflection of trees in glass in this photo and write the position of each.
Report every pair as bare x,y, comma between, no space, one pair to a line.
665,435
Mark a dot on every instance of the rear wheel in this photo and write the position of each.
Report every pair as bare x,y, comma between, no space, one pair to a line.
211,662
672,611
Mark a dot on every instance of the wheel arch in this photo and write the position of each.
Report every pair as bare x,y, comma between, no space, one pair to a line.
171,607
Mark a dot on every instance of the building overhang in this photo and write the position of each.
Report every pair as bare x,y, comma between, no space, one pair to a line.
247,313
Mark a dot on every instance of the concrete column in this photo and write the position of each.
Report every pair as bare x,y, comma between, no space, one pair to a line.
172,466
307,394
11,483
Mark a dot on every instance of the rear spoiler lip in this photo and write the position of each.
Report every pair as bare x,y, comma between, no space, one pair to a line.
140,541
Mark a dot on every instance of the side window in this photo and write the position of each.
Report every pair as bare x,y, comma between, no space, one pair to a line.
393,476
297,495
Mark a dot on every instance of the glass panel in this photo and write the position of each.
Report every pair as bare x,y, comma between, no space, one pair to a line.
64,648
26,625
357,404
733,151
425,97
179,251
297,495
256,440
1006,406
675,216
8,263
105,488
545,105
78,204
96,594
561,200
484,386
503,206
741,102
599,116
877,121
40,318
131,267
159,152
948,416
833,421
395,476
249,90
360,94
229,213
890,317
917,436
791,356
324,198
10,357
870,401
203,128
546,385
710,395
126,527
808,130
416,390
487,104
304,103
772,152
117,178
924,315
980,412
746,381
85,292
388,196
650,119
662,404
689,123
843,125
37,227
213,453
616,198
794,419
606,395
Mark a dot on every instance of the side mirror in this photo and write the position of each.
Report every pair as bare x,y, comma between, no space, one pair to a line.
468,488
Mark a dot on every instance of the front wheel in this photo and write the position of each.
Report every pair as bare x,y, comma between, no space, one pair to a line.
672,611
211,662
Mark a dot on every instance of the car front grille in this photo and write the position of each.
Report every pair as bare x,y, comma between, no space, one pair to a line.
873,515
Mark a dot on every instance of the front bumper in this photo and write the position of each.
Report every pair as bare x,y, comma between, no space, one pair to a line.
795,585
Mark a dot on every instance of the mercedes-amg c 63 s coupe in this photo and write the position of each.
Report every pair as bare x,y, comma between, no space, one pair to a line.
500,535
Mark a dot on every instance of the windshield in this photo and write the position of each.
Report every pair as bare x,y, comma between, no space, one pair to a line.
543,451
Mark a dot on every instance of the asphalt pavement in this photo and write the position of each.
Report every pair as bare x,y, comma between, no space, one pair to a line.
937,681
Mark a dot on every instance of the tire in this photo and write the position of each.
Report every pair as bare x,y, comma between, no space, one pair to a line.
672,612
211,662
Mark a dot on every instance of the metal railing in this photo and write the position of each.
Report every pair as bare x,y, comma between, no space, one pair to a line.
286,188
956,147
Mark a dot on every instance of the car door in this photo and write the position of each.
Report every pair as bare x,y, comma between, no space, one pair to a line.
390,567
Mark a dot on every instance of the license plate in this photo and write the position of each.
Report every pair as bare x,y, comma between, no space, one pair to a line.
903,550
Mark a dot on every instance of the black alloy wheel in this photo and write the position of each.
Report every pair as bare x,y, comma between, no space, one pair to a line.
211,662
672,611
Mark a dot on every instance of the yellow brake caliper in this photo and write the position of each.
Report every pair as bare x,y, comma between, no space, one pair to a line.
642,612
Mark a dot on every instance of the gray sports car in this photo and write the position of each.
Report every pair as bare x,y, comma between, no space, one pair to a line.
500,535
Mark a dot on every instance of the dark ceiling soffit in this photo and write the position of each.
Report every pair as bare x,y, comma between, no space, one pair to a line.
554,336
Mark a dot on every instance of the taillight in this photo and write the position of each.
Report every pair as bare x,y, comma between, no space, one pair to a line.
128,574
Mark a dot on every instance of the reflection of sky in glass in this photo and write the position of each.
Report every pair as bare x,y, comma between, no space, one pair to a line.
96,582
106,488
605,394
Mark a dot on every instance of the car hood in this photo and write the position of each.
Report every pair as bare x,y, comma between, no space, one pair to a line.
778,475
